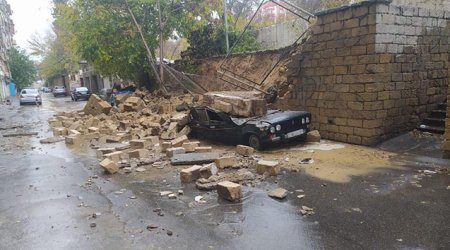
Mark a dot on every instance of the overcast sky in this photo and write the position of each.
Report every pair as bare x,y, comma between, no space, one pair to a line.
30,16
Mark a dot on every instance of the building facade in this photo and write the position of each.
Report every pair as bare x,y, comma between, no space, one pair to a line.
6,42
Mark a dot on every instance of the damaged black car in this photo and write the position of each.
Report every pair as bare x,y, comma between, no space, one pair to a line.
257,132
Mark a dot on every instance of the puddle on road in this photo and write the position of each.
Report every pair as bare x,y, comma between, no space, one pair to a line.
335,162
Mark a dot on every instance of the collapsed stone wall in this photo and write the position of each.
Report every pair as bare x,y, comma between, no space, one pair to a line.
254,66
371,70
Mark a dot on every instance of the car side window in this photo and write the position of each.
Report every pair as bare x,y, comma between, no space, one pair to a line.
213,116
202,116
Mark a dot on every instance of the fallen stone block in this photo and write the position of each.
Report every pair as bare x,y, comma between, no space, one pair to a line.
180,119
271,167
171,132
120,99
74,132
72,139
51,140
114,156
222,106
170,152
93,129
139,144
152,140
229,191
185,131
190,174
278,193
109,166
60,131
165,145
245,150
208,170
243,103
226,161
102,151
313,136
113,139
190,146
177,142
138,154
193,158
96,106
203,149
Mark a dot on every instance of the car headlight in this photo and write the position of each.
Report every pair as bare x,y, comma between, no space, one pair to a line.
303,120
278,127
272,130
307,119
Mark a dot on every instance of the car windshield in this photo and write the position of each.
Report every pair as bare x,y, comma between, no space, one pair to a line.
81,89
30,91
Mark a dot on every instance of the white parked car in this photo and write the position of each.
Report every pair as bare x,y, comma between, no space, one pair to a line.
31,96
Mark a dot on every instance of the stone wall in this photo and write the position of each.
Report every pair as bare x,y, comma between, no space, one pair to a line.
447,129
371,70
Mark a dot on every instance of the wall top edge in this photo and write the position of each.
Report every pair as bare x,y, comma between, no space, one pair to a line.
345,7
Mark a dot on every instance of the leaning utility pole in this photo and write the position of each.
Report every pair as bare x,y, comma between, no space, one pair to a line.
149,52
161,44
225,14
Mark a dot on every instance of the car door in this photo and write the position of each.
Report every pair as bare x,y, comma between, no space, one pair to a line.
199,122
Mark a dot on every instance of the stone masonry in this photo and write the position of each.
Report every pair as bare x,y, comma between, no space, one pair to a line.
372,70
447,129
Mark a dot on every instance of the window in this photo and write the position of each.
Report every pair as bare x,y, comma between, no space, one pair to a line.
202,116
213,116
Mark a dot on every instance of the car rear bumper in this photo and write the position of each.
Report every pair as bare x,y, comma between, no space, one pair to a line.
30,100
82,97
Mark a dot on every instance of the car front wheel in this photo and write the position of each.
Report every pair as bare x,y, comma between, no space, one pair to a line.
255,142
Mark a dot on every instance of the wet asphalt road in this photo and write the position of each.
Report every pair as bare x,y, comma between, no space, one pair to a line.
49,194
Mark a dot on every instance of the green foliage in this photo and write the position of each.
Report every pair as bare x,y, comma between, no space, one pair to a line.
103,33
209,40
22,68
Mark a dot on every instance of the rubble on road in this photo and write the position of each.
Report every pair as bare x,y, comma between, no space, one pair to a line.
313,136
242,103
229,191
278,193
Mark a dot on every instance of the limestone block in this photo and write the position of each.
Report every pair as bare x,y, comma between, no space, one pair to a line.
170,152
109,166
271,167
203,149
190,174
177,142
190,146
226,161
139,144
229,191
244,150
96,106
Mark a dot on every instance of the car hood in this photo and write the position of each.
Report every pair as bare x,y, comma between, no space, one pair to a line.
273,116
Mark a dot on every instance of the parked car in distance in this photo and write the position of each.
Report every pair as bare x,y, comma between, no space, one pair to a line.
46,90
59,91
80,93
257,132
30,96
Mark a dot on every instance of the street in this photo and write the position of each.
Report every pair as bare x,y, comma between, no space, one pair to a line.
57,197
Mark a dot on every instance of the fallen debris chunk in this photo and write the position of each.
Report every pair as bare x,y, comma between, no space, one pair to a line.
139,144
226,161
190,146
170,152
203,149
72,139
193,158
165,193
114,156
313,136
190,174
307,161
20,134
96,106
51,140
109,166
138,154
305,211
165,146
179,141
244,150
270,167
279,193
229,191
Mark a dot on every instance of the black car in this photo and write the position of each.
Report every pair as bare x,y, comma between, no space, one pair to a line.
80,93
257,132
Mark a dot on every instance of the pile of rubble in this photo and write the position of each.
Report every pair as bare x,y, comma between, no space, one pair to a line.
150,130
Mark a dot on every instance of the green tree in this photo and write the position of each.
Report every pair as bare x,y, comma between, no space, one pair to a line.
102,31
22,68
